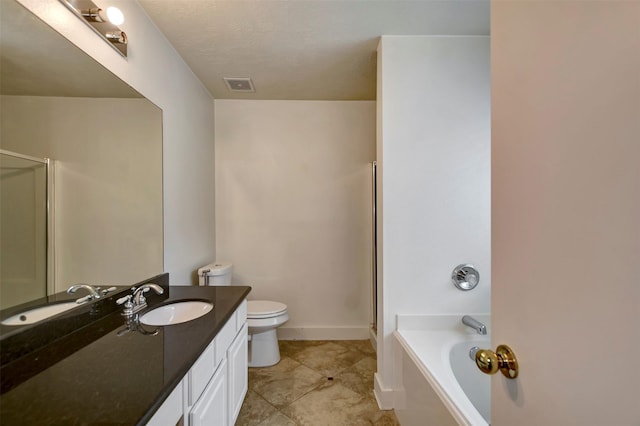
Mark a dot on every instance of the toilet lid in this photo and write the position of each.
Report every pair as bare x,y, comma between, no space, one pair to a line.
264,308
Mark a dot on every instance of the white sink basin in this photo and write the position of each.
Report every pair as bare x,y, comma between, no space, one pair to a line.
39,314
176,313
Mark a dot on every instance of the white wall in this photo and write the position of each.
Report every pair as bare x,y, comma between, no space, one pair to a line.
566,204
434,152
108,182
155,69
293,198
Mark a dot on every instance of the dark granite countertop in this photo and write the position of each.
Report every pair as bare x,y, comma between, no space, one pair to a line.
116,376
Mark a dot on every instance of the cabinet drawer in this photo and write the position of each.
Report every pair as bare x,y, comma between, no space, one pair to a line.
225,337
170,411
201,372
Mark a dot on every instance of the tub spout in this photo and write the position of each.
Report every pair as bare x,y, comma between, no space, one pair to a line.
475,324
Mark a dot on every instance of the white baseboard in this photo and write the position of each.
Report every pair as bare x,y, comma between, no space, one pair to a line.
384,397
373,337
323,333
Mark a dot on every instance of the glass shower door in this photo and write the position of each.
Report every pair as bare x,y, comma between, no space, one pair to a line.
23,228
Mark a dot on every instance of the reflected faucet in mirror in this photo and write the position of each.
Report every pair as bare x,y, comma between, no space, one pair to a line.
94,292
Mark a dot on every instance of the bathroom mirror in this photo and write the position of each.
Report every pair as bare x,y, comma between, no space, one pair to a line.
104,140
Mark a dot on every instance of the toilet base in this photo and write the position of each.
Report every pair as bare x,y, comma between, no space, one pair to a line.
263,349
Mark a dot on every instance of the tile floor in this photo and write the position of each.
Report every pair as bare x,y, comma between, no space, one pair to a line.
316,383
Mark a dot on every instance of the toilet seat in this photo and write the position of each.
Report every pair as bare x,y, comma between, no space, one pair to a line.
257,309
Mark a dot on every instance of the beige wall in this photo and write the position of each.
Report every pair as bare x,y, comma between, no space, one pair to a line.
108,182
293,208
565,210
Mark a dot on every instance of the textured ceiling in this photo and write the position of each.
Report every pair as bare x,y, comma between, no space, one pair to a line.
37,61
302,49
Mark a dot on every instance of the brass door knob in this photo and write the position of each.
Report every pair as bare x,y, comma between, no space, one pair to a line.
502,359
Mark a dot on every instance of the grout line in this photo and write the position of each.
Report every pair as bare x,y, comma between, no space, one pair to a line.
268,403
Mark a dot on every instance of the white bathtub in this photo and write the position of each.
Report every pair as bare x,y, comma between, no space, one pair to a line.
436,379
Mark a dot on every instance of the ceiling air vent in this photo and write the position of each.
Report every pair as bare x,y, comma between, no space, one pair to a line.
239,84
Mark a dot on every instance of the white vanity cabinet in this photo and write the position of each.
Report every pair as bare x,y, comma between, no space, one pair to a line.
214,388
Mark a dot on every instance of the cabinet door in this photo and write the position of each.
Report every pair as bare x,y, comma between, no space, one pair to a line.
211,409
237,372
201,373
170,411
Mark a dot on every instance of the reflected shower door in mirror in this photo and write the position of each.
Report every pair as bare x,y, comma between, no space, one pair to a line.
106,140
24,197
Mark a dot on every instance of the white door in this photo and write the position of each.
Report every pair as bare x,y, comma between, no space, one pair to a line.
566,210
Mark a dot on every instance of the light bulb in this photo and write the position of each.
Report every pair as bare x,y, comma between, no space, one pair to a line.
114,15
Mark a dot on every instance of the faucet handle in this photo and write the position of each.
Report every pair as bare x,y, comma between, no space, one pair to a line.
84,299
108,290
128,305
465,277
138,295
124,299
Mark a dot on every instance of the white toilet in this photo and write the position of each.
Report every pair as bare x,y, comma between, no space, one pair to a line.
263,317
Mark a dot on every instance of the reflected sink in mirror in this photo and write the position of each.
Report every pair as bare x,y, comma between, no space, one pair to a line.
38,314
177,312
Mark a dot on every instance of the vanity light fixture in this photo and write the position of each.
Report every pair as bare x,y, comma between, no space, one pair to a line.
103,21
116,37
112,14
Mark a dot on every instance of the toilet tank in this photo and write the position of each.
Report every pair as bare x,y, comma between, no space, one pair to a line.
218,273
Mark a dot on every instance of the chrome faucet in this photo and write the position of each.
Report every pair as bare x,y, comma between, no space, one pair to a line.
138,294
135,302
469,321
93,292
